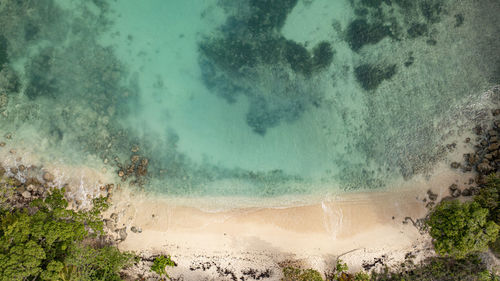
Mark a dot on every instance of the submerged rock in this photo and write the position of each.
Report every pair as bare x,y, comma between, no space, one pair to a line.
3,51
417,30
370,76
360,33
48,177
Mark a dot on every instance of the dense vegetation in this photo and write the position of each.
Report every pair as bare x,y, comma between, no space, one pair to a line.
460,229
48,241
489,198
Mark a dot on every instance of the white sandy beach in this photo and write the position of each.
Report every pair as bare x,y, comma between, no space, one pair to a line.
358,226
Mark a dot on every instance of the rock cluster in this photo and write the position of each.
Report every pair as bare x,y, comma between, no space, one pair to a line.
486,157
116,234
137,167
21,185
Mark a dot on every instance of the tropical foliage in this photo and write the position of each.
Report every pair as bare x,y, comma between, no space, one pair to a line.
459,229
48,241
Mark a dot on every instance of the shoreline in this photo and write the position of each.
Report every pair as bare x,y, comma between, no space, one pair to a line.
219,243
359,226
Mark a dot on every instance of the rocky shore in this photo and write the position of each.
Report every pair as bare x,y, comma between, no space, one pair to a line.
483,161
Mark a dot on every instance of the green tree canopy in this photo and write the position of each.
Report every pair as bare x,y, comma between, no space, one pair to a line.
44,241
461,228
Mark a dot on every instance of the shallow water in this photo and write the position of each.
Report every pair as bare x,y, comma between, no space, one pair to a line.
249,97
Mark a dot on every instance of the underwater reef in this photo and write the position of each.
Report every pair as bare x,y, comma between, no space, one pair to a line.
249,50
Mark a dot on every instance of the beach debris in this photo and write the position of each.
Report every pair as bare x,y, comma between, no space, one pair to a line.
451,146
455,165
376,261
2,144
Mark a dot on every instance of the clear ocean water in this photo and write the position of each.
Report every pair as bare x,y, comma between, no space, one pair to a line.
247,98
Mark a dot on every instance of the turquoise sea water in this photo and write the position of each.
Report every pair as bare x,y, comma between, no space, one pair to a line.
247,97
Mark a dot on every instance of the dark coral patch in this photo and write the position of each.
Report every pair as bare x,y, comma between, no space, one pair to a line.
230,53
3,51
268,15
417,30
248,49
31,31
40,81
298,57
370,76
431,10
360,33
405,4
410,61
374,3
459,20
322,55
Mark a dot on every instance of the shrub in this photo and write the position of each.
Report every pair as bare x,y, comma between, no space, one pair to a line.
159,266
297,274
